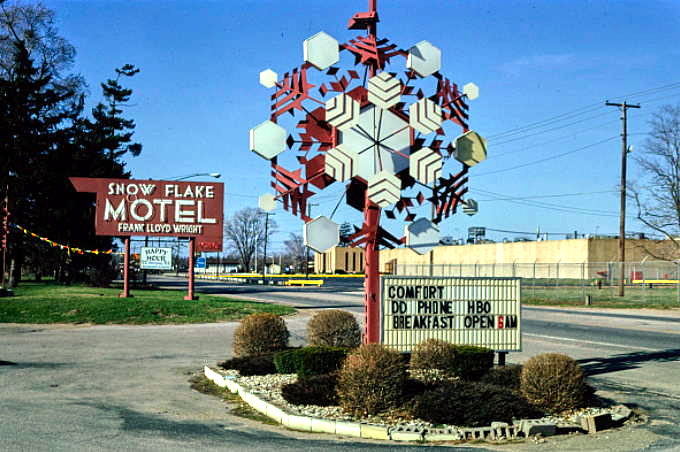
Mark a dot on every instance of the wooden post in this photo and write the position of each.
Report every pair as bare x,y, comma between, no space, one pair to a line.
190,272
126,270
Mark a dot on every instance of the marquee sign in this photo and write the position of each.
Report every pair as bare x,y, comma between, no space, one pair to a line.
467,311
127,207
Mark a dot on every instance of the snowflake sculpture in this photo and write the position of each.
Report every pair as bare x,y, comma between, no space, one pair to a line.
383,133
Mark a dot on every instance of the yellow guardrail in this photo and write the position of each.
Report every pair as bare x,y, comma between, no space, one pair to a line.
656,281
303,282
259,275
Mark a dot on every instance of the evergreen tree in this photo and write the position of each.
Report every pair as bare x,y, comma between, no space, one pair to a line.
345,231
30,120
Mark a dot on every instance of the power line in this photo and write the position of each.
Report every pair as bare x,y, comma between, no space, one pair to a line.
582,110
571,135
562,195
589,118
553,157
555,207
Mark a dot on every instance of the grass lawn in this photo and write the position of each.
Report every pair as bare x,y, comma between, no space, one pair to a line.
607,297
52,303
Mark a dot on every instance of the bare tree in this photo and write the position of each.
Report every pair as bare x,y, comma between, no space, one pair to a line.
297,251
245,234
32,24
658,196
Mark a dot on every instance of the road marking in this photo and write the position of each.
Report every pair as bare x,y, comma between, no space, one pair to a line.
581,341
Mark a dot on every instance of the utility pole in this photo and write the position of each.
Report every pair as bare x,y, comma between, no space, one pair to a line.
624,161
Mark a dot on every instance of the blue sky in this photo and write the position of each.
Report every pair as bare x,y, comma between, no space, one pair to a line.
198,94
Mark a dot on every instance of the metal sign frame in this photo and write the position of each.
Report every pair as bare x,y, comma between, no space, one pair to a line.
488,287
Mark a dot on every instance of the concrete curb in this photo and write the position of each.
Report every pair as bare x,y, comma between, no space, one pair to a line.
497,431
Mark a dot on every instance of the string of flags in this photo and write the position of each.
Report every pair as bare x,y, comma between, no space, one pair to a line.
69,249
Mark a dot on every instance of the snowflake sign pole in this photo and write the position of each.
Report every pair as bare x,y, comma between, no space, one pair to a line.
386,135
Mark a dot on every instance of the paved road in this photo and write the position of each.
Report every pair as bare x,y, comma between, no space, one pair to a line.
125,387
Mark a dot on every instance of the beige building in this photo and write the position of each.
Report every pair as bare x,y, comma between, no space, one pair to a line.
575,258
340,260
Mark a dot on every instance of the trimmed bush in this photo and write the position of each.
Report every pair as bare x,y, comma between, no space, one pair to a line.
316,390
504,376
260,333
334,328
371,380
433,354
251,365
307,361
469,404
554,383
472,362
465,361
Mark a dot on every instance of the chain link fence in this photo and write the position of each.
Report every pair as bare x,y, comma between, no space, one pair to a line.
650,282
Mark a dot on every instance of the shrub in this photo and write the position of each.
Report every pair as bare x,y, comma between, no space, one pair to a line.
308,361
553,382
316,390
472,362
334,328
470,404
251,365
433,354
504,376
260,333
371,380
465,361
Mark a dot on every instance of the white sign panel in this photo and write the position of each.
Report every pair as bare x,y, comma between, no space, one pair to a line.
155,258
465,311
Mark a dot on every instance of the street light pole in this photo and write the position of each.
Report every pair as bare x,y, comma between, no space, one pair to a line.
266,237
309,214
215,175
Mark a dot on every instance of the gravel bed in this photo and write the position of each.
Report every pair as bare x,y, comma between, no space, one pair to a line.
268,387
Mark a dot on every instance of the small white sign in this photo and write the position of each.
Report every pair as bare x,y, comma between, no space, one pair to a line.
465,311
155,258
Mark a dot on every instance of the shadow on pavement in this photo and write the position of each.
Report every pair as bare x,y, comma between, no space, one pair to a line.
596,366
34,365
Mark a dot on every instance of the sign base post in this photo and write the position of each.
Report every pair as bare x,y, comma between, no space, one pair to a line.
126,270
190,292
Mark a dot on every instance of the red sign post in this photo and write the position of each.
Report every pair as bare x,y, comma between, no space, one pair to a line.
128,207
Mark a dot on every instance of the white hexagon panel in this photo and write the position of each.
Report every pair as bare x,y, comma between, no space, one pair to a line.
425,116
342,111
424,58
471,91
384,90
425,165
321,234
321,51
268,78
267,202
470,148
384,189
381,139
422,235
470,206
268,140
341,163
